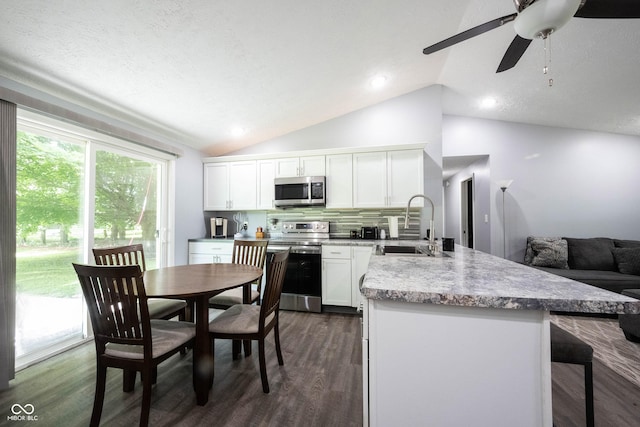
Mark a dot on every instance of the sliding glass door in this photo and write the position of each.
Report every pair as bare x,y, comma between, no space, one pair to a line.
75,192
49,182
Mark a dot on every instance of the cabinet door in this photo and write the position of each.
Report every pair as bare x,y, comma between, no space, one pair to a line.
339,180
202,258
242,185
336,282
405,177
369,180
266,172
288,167
312,166
208,252
359,264
216,186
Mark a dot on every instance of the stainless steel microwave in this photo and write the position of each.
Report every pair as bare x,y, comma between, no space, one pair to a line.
300,191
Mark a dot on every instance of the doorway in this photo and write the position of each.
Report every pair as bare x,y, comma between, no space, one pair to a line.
466,211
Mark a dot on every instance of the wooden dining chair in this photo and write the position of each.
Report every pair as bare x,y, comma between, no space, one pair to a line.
124,334
159,308
250,252
254,322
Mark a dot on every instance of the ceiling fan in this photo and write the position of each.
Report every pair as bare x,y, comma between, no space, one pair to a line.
538,19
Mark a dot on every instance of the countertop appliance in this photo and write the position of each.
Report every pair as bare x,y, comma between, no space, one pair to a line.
219,227
371,233
300,191
302,289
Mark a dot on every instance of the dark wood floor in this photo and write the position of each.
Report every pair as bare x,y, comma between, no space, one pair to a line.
319,385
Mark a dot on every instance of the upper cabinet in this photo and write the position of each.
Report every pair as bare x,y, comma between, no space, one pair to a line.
266,171
230,186
387,178
339,181
375,177
300,166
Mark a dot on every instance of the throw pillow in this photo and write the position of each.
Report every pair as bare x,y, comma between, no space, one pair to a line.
528,254
628,260
591,254
626,243
553,254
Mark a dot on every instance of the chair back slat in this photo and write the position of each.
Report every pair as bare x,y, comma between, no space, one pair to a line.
121,255
273,288
117,303
250,252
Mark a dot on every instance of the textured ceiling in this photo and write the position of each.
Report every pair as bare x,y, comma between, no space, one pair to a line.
195,70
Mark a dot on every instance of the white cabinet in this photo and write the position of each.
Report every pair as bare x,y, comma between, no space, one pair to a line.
387,179
336,275
339,181
266,172
300,166
405,177
370,180
230,186
342,267
360,256
208,252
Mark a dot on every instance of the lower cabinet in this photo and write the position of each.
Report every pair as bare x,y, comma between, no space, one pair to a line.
342,267
210,252
336,275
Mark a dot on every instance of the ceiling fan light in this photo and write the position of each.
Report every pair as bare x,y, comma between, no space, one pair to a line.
544,17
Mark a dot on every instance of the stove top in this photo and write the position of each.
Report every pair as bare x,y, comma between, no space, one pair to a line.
302,233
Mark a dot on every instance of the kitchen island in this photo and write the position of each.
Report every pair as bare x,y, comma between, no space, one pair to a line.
463,339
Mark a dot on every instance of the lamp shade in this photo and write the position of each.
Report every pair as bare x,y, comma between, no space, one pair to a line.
504,184
544,17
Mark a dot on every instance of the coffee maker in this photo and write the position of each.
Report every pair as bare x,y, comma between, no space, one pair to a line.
218,227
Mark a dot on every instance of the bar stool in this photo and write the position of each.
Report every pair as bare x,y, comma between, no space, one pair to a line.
567,348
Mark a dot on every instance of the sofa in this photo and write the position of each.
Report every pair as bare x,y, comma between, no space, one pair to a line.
610,264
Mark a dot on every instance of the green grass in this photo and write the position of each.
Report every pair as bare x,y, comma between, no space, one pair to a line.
47,272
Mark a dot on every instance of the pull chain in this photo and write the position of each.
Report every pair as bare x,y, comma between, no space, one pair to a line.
547,58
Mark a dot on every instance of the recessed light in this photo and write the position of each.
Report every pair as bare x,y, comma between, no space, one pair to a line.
489,102
378,81
238,131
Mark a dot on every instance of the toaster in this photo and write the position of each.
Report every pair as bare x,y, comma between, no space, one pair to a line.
370,233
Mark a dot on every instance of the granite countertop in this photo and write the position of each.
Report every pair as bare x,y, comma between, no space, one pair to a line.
476,279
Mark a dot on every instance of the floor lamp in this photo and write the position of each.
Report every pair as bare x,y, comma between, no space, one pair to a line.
504,184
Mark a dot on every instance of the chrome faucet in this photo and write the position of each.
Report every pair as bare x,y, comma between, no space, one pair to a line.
432,243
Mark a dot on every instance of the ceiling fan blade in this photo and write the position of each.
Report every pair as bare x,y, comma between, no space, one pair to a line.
472,32
614,9
513,54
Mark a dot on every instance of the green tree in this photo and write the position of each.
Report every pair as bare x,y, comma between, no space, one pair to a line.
47,186
125,187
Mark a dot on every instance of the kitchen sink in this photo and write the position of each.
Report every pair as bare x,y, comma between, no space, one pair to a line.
418,250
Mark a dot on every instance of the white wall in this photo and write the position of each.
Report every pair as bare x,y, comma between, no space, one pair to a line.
189,220
567,182
412,118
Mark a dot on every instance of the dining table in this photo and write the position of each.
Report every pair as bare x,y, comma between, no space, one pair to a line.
196,283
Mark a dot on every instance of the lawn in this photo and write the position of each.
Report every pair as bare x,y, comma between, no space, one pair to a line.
47,271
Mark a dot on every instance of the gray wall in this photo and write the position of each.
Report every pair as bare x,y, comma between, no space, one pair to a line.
566,182
480,172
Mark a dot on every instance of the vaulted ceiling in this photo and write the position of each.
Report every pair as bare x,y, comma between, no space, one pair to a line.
194,71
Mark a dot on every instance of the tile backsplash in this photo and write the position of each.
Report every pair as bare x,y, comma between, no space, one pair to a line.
341,221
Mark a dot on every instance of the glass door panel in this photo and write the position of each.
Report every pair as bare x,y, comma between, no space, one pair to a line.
126,207
49,305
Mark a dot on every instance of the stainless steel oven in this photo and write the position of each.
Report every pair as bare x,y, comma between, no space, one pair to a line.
302,289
